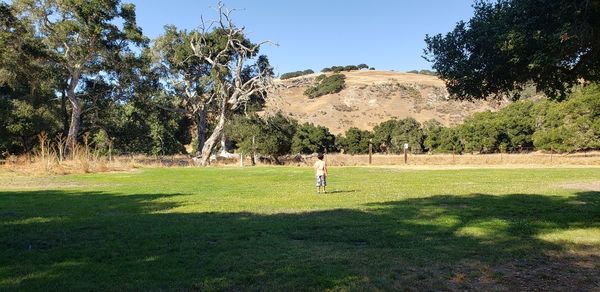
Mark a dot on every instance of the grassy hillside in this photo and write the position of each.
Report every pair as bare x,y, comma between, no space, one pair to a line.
371,97
266,229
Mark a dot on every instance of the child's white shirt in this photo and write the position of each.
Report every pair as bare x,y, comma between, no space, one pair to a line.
320,167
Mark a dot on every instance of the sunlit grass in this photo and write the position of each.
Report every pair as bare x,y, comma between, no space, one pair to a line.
265,228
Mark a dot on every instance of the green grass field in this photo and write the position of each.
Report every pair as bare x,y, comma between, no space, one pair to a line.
266,229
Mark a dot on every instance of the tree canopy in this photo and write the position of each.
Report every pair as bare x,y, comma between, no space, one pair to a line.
83,39
507,43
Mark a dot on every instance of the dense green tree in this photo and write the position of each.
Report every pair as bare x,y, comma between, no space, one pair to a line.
277,135
312,139
440,139
516,124
390,136
25,122
449,141
27,86
382,135
408,131
133,112
142,125
433,132
480,133
117,94
245,132
271,136
572,125
84,40
508,43
355,141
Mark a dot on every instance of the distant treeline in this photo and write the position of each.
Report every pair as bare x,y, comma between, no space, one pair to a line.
526,125
522,126
346,68
296,74
334,69
423,72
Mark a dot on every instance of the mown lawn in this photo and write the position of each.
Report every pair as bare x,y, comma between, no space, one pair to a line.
266,229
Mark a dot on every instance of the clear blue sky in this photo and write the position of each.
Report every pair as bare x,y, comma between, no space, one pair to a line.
312,34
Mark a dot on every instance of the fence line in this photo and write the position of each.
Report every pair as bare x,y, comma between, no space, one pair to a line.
534,158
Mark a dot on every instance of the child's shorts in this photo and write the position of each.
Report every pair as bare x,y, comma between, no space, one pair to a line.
321,181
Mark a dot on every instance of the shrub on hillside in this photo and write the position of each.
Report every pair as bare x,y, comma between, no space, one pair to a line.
326,85
428,72
423,72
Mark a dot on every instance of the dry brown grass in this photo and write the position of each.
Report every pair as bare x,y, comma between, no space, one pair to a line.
36,165
50,159
50,164
465,160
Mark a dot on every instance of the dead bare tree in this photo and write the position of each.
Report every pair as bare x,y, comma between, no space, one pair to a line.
197,103
187,79
224,46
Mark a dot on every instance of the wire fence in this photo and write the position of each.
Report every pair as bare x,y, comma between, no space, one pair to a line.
590,158
526,156
531,158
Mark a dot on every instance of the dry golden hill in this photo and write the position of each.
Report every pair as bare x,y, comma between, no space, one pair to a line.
372,97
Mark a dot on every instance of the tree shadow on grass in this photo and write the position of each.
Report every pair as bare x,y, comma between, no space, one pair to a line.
101,241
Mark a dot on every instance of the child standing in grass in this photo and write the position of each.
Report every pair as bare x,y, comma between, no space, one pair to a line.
321,173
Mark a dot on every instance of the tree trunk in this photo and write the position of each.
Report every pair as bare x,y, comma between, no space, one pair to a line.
73,127
24,144
276,160
200,131
224,151
65,114
75,114
216,134
253,160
